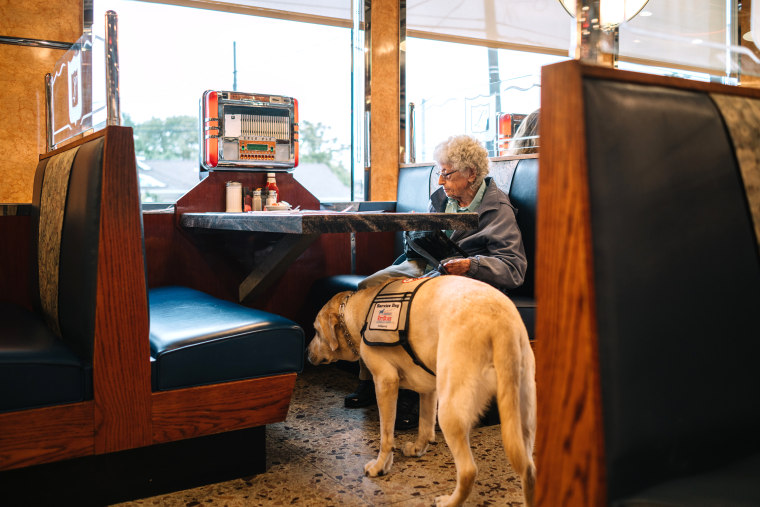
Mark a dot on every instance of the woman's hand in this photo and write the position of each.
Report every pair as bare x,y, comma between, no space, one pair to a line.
457,266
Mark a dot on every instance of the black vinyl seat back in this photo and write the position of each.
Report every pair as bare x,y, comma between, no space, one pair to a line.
677,283
414,188
412,194
523,194
46,355
65,236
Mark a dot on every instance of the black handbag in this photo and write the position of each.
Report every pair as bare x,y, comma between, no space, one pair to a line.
433,246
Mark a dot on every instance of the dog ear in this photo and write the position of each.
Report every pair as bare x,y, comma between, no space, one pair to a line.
332,331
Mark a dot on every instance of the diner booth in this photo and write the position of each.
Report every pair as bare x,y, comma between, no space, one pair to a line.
142,346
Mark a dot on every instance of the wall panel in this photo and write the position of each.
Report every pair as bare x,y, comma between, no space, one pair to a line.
22,90
384,131
42,19
22,108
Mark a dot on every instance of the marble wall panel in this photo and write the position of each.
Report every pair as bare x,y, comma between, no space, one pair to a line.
384,131
22,110
60,20
22,91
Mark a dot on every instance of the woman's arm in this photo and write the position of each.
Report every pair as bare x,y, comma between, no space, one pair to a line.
497,253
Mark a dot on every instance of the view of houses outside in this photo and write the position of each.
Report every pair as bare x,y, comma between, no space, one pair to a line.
167,159
169,55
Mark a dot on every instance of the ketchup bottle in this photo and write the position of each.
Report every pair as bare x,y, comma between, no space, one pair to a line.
273,193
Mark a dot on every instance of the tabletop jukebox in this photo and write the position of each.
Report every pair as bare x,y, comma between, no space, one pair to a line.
244,131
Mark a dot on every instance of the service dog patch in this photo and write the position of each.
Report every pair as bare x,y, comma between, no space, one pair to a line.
385,316
387,321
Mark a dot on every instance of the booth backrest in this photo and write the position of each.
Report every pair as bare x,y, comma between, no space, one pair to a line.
413,194
66,220
523,194
414,188
649,283
677,282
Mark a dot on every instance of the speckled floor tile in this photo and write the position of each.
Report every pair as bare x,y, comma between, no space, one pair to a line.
317,457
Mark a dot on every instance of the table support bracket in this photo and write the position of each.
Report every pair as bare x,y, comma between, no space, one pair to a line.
272,267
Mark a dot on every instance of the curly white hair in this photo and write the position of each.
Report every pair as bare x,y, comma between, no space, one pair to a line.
461,153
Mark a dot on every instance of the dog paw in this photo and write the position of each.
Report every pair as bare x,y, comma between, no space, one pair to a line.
374,468
413,449
443,501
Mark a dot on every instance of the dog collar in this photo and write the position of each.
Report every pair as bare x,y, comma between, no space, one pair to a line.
344,326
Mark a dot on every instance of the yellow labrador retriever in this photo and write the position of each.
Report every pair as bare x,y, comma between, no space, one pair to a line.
473,338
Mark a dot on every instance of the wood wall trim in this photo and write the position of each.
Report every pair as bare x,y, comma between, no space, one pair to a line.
43,435
121,357
569,443
67,145
385,91
204,410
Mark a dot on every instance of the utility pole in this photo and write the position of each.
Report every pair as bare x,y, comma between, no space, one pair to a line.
494,80
234,66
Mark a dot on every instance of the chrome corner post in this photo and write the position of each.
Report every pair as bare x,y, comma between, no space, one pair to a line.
593,44
113,107
412,144
367,95
49,112
733,60
87,15
359,99
402,80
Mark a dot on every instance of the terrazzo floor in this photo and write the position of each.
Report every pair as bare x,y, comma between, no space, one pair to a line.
317,456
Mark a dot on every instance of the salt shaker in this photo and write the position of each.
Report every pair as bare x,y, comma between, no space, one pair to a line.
234,197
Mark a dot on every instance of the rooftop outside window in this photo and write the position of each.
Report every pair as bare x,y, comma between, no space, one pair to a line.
170,55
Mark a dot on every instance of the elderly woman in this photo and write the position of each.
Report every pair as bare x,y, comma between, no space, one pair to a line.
495,252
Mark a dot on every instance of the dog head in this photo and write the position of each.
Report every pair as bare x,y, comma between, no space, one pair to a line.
330,343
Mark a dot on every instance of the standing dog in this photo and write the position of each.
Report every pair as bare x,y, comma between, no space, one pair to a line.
473,338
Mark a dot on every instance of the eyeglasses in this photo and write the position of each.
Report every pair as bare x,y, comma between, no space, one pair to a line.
446,176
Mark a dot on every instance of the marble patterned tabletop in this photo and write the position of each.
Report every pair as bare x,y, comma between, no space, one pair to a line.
315,222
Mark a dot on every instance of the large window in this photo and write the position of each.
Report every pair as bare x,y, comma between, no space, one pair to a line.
170,55
467,89
461,86
471,67
474,66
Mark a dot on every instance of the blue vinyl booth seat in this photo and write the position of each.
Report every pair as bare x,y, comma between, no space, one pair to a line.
36,367
101,364
197,339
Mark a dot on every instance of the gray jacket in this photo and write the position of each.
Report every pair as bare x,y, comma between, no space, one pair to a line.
495,248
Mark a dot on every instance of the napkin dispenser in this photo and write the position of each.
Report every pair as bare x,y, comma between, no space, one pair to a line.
248,131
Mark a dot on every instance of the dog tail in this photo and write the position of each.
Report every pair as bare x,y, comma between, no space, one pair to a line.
516,400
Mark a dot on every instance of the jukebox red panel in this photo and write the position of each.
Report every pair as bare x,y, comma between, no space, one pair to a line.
243,131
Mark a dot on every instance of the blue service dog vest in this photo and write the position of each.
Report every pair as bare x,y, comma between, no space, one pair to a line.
387,320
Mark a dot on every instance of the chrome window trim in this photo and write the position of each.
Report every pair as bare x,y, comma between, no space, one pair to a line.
37,43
